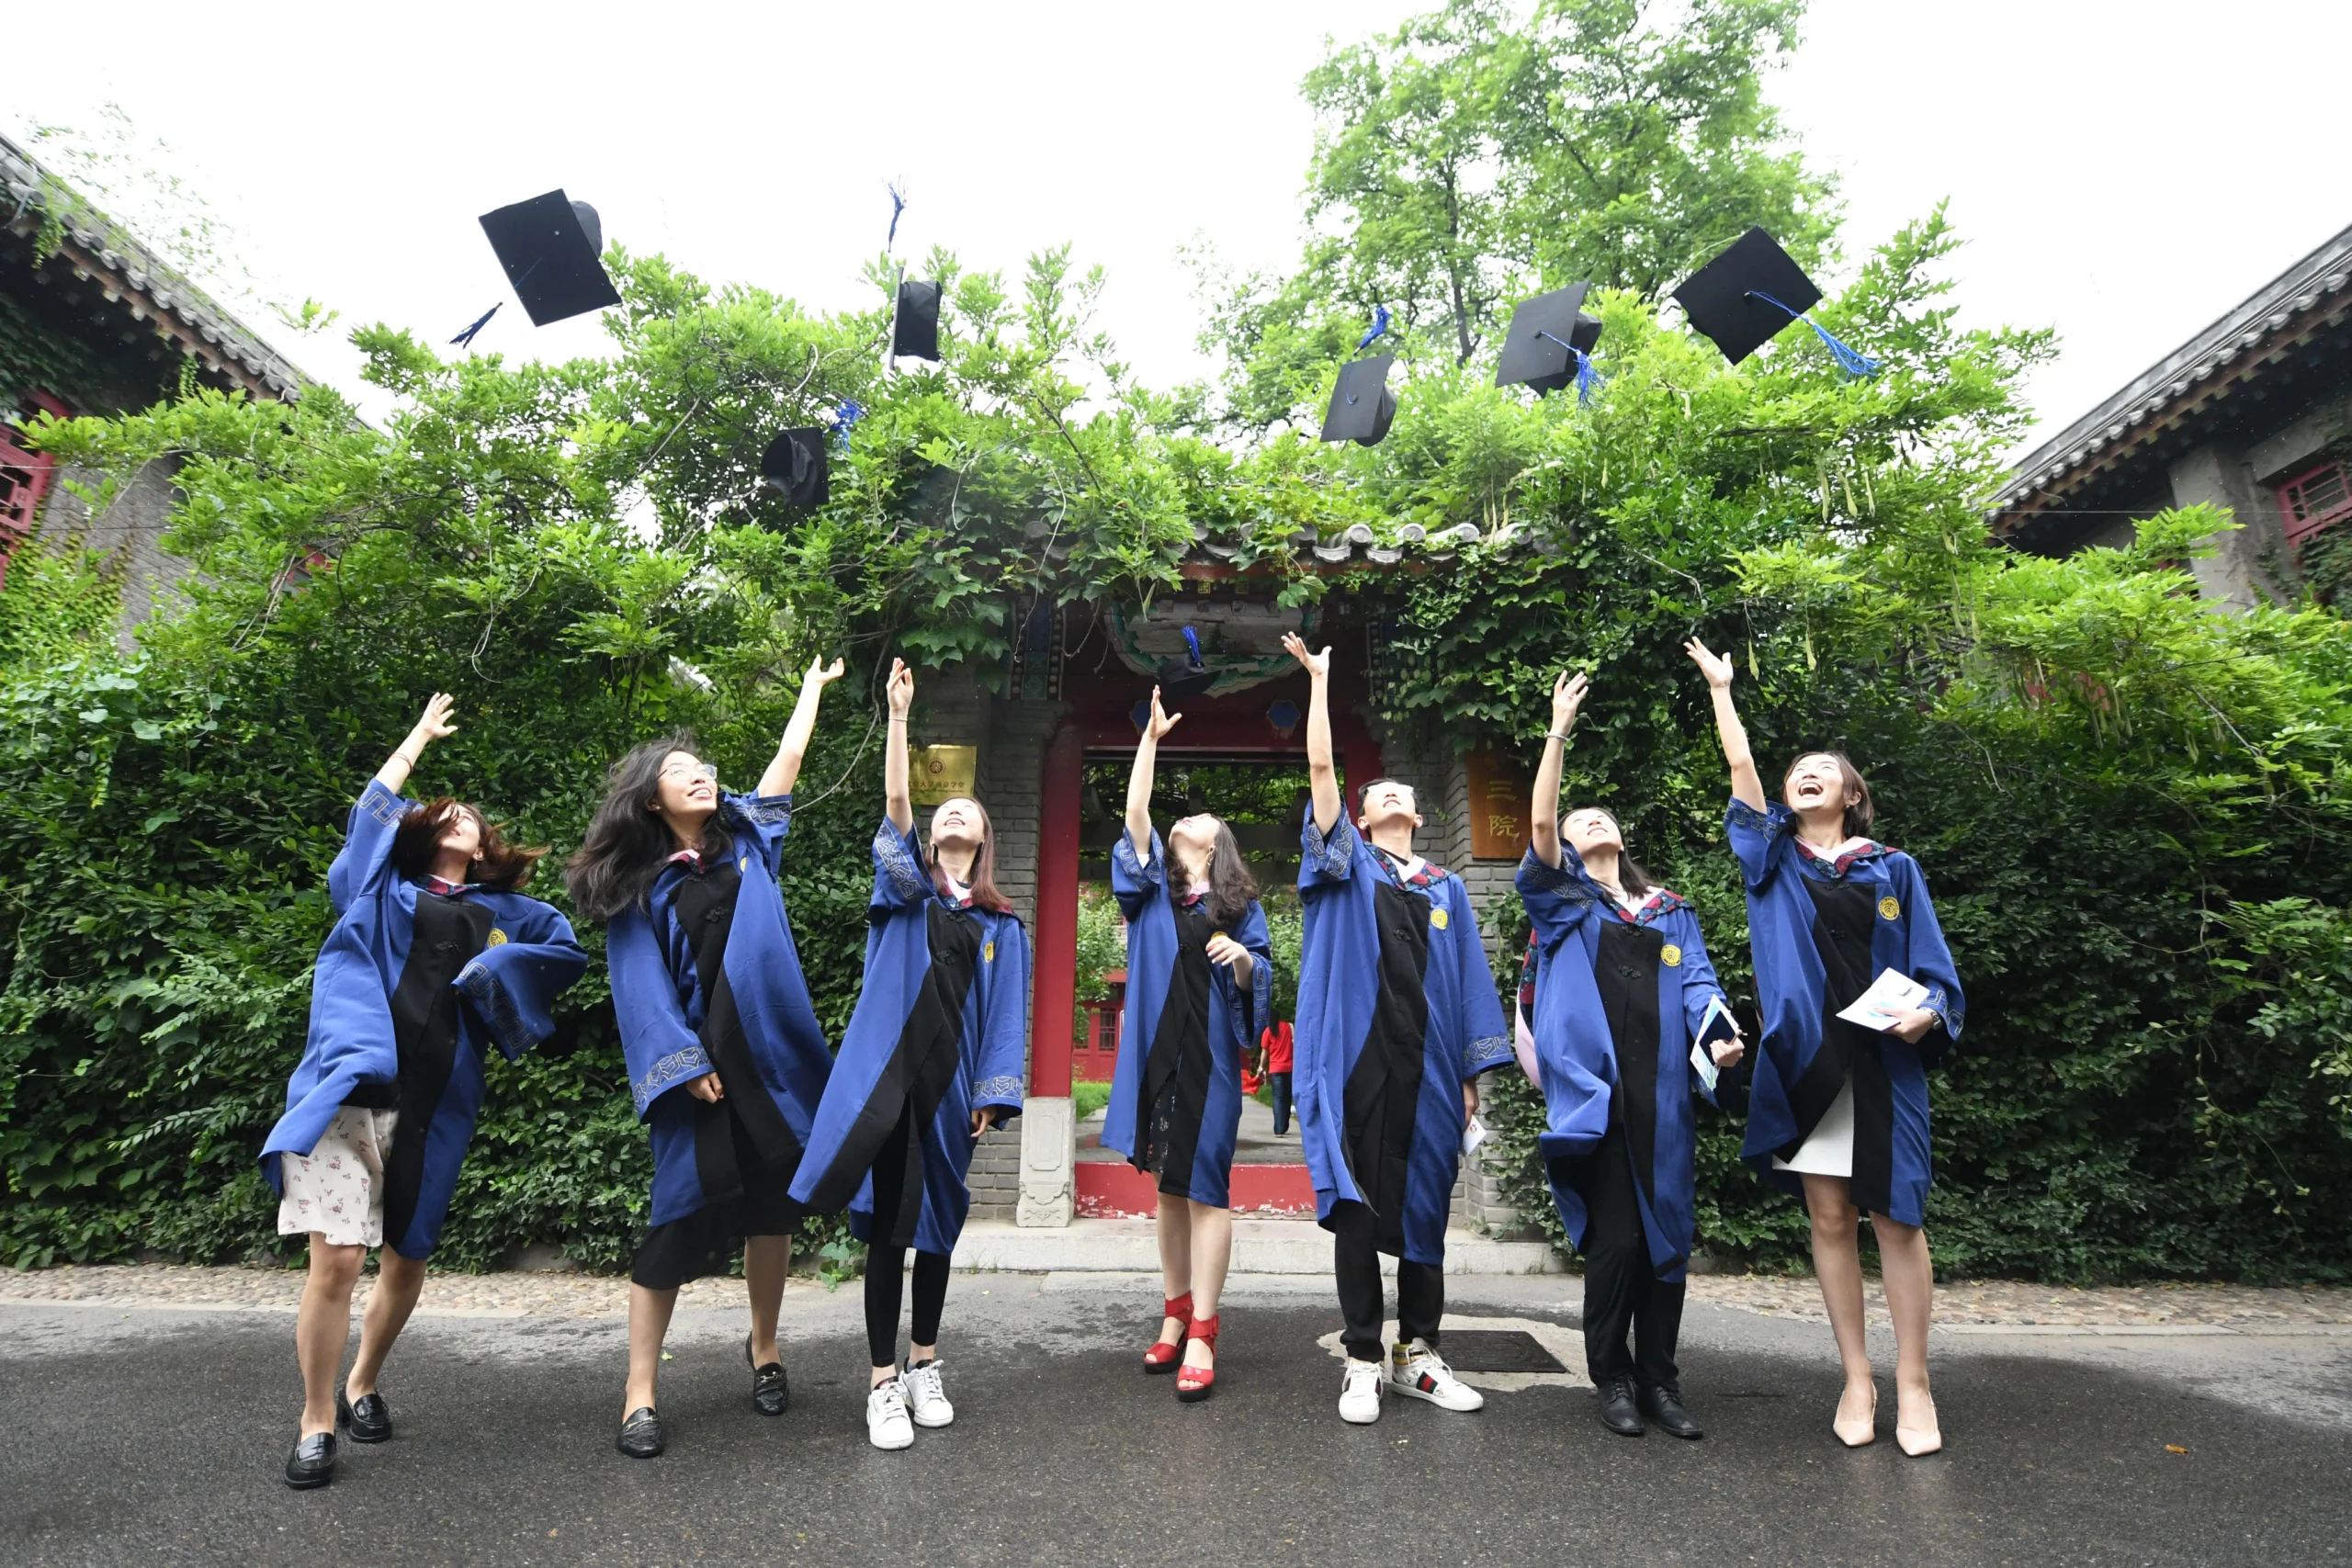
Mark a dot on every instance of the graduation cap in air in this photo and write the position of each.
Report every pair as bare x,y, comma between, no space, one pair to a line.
549,246
914,326
1550,344
794,466
1745,297
1186,677
1362,405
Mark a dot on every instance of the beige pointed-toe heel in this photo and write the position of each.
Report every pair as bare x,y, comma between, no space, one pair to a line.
1857,1434
1919,1441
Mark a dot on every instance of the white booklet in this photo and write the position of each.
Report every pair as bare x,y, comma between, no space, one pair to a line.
1891,995
1474,1132
1715,1025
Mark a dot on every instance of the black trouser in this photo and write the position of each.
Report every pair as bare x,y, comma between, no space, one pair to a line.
1281,1084
1355,1263
886,1265
885,1280
1622,1290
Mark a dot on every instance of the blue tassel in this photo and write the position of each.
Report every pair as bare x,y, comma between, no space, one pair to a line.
845,418
1379,328
1851,361
466,339
1194,644
897,204
1588,378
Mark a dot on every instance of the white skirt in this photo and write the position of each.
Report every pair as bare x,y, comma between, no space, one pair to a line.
338,1189
1829,1149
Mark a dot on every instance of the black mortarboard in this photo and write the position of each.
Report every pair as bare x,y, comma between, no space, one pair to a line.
1536,350
914,330
549,246
1362,404
795,465
1745,296
1182,677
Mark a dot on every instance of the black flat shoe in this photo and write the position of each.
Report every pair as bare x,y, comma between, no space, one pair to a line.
313,1461
370,1420
1663,1405
1617,1409
641,1435
769,1394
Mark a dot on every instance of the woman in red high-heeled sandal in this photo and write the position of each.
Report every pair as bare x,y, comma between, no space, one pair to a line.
1200,981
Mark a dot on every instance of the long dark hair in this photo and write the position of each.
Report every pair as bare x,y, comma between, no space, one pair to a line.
1849,782
1630,875
502,866
627,842
1231,887
982,881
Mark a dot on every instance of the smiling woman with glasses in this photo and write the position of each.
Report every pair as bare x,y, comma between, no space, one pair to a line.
726,1058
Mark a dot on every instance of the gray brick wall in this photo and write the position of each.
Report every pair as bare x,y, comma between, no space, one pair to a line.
129,534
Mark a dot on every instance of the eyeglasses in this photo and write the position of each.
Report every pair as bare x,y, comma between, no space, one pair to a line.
698,771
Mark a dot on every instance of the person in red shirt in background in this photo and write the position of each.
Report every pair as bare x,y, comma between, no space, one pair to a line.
1274,1047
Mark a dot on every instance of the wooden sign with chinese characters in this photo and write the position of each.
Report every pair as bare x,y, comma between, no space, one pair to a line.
1499,794
936,774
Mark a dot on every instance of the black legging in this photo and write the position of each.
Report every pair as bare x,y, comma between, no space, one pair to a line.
885,1275
886,1265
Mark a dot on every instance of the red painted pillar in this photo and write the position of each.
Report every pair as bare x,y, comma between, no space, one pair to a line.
1053,1001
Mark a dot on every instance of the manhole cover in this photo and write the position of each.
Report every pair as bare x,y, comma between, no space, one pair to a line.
1497,1350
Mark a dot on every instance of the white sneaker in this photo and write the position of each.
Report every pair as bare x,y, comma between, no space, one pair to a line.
1419,1373
887,1426
1360,1393
926,1395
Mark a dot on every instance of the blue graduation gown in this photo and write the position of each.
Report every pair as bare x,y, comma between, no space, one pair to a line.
1206,1067
664,1008
505,995
1350,965
1580,1062
897,1054
1802,1062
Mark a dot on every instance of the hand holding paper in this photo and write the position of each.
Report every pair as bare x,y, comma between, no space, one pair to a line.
1717,1045
1890,1002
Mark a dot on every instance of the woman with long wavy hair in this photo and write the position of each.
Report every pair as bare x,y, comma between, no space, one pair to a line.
726,1057
1200,982
1838,1111
436,954
931,1059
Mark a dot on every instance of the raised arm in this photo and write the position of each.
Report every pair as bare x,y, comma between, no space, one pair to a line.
895,802
1745,787
1544,815
431,726
784,769
1321,774
1139,777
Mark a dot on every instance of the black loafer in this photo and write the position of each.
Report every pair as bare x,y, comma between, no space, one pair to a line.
769,1394
370,1420
1663,1404
313,1461
1617,1409
641,1435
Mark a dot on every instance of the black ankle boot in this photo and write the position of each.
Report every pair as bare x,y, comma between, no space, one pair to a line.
1618,1412
1662,1403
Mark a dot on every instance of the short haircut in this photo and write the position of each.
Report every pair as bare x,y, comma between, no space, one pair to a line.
1371,784
1851,782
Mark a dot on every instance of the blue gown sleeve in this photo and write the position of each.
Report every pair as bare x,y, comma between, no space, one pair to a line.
1324,858
1485,1036
1760,839
1251,933
1136,883
1558,899
365,858
766,817
1931,963
997,1055
901,880
511,984
660,1051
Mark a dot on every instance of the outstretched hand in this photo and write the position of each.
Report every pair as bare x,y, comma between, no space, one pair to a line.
821,674
901,689
1716,667
434,725
1567,696
1162,721
1317,665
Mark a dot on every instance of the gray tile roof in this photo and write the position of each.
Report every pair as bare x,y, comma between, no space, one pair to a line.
95,245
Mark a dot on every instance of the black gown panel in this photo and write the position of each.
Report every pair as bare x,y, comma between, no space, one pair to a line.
1175,1088
448,934
1385,1090
1844,914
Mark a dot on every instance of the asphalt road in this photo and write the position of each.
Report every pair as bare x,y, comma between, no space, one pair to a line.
156,1436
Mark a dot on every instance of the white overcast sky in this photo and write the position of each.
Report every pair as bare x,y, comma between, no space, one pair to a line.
2123,172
